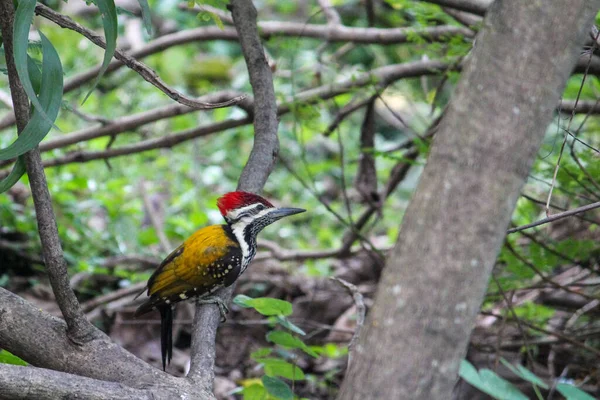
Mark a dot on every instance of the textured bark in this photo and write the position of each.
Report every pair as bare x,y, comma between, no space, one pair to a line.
431,290
253,178
79,329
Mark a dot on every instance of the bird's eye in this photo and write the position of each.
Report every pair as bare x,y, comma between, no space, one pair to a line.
260,207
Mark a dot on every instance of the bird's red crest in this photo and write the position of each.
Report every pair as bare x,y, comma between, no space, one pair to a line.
233,200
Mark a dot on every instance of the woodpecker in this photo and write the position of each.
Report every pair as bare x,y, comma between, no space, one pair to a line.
212,258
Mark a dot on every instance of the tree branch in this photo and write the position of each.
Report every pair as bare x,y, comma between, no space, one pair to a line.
385,36
448,241
555,217
142,69
132,122
79,328
260,163
332,16
381,76
18,382
22,325
478,7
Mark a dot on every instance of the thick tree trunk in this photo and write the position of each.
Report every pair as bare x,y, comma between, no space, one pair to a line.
432,288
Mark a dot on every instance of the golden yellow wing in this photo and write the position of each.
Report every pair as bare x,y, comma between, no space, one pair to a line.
207,260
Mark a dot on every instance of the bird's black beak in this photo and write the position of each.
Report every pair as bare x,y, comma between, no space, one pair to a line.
284,212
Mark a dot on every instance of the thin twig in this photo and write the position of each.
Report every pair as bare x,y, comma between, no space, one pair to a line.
361,311
158,226
556,217
142,69
383,76
562,147
559,335
332,16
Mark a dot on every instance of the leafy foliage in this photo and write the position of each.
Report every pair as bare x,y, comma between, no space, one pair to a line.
489,382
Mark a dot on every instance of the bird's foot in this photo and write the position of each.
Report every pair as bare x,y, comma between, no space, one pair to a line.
223,309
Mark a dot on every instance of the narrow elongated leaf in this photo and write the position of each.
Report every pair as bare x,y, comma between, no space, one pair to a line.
500,388
9,358
525,374
23,19
109,21
35,75
14,176
572,393
469,373
278,388
51,89
146,16
489,382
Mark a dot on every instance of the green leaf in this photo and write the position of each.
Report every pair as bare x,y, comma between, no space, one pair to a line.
260,353
51,90
286,323
285,339
146,16
23,19
469,373
279,367
254,392
268,306
265,305
499,387
525,374
278,388
243,301
109,21
572,393
9,358
217,20
14,176
35,75
291,342
489,382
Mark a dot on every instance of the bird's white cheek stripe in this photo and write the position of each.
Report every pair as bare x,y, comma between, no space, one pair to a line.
238,231
238,228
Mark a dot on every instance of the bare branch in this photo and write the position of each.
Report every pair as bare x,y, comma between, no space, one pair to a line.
582,107
18,382
478,7
381,76
332,16
150,144
131,122
253,177
156,223
465,18
80,330
198,8
361,311
22,325
142,69
555,217
117,294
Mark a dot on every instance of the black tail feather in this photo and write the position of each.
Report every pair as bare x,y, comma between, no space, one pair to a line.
166,334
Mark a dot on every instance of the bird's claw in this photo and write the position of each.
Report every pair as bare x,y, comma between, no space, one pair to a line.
223,309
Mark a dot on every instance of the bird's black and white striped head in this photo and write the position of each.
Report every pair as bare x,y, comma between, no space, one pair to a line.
247,214
248,209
